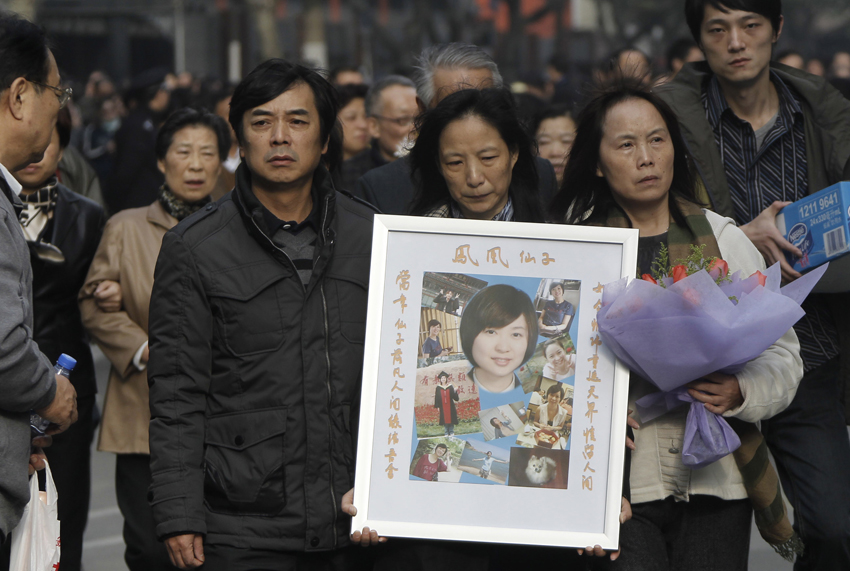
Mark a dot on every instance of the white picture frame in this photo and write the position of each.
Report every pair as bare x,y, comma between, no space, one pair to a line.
579,504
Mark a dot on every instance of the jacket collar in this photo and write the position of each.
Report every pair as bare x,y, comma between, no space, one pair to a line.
251,209
157,215
826,112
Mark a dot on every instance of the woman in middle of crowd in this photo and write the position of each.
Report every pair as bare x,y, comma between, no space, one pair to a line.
190,148
629,168
555,132
473,159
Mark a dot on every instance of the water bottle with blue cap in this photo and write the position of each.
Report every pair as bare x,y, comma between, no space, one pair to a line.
64,365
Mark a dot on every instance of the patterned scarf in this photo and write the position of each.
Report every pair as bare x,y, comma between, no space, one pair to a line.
37,212
179,208
38,207
759,475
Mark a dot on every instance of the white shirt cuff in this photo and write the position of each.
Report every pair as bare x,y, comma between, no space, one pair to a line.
137,358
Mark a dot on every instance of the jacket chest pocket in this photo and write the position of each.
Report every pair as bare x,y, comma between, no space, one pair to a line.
247,309
244,463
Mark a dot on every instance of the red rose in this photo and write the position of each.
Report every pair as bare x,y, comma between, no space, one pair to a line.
648,278
720,265
679,272
762,277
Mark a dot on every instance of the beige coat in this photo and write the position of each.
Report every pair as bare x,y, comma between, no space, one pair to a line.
127,254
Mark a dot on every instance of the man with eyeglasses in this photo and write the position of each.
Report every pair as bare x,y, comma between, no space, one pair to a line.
30,99
391,108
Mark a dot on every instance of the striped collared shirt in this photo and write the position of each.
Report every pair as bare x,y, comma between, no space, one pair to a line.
758,176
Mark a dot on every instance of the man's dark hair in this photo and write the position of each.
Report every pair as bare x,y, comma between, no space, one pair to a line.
63,127
275,76
679,50
496,108
581,190
497,306
695,11
349,92
188,117
23,51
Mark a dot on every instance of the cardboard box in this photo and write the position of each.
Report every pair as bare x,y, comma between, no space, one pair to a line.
819,225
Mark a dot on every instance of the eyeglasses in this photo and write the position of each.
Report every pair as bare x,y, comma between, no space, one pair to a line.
62,94
400,121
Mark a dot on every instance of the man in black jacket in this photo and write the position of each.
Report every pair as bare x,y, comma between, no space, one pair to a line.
256,331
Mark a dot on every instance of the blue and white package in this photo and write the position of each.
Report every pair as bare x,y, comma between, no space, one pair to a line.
819,225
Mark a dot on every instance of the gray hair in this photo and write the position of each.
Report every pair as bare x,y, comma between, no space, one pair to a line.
450,56
373,96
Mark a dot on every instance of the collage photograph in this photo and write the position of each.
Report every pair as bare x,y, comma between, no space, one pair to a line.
496,373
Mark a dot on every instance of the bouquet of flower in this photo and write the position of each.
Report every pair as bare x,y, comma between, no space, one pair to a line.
690,319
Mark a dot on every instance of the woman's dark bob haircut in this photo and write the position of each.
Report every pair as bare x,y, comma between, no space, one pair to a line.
275,76
695,12
189,117
434,322
582,191
495,107
441,445
556,388
496,306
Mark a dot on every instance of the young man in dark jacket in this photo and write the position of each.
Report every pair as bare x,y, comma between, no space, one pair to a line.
763,135
256,333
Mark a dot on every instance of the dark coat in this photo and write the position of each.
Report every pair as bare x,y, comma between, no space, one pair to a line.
355,167
255,379
390,187
76,228
827,127
135,179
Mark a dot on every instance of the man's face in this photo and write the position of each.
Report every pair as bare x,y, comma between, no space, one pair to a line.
393,120
42,113
447,81
737,44
282,144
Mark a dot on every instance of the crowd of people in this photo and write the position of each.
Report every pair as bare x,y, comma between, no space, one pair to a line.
214,241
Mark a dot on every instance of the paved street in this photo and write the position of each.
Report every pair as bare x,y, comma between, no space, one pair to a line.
104,546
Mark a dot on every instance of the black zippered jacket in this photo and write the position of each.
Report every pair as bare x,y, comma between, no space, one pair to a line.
255,379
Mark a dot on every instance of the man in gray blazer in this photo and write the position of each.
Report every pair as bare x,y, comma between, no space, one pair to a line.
30,99
441,70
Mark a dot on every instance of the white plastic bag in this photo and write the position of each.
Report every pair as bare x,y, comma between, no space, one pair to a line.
35,542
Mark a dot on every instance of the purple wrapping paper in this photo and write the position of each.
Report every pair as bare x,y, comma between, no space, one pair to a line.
676,335
679,334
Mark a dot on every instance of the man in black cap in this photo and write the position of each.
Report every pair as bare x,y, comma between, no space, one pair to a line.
135,178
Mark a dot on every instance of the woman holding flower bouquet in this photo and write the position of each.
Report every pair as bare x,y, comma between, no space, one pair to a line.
629,168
